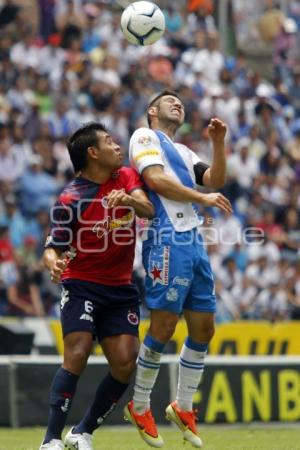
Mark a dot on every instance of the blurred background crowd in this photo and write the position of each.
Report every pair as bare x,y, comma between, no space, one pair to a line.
64,63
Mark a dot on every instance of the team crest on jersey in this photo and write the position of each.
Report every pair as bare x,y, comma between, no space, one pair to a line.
145,140
159,265
132,318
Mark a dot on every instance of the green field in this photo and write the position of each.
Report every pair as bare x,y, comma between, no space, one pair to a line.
214,437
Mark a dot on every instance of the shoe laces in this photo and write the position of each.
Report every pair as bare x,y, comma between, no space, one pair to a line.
146,421
189,418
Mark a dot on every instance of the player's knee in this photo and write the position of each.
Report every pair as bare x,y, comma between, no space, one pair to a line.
125,368
164,330
76,359
208,333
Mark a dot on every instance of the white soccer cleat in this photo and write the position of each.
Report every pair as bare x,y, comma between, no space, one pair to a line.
77,441
186,422
54,444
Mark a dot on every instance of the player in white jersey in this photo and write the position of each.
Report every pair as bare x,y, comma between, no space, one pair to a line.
178,274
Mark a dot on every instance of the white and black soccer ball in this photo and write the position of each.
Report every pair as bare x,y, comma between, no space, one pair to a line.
142,23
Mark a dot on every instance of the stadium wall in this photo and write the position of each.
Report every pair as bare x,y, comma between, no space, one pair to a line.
234,338
233,389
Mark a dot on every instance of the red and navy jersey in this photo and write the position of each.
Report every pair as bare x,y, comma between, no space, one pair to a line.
99,241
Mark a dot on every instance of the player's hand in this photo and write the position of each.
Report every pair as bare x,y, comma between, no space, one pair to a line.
118,198
217,130
57,270
217,199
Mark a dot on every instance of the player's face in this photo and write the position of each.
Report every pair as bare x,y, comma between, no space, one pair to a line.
171,109
110,156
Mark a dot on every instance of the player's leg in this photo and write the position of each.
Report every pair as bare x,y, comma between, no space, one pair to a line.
77,348
117,331
78,338
162,327
168,270
192,356
199,311
121,352
191,367
167,285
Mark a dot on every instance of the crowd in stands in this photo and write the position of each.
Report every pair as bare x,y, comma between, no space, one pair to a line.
73,66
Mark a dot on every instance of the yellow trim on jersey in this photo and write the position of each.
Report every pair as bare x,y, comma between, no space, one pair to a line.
146,153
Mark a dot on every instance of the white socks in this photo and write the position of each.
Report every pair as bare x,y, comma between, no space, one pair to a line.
147,371
191,367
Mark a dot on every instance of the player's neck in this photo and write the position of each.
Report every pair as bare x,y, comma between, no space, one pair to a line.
169,129
96,175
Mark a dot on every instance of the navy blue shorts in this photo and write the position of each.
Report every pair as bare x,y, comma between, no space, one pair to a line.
101,310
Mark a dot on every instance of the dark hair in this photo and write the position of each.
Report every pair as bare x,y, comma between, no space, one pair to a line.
80,141
156,99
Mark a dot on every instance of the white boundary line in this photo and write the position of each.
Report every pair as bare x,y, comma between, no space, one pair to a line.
167,359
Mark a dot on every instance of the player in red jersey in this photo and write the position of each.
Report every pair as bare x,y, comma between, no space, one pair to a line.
90,250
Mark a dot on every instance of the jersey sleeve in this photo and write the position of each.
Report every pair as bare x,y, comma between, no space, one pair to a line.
195,158
145,150
133,180
62,220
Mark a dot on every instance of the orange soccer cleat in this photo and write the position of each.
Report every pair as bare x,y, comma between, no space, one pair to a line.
145,425
186,422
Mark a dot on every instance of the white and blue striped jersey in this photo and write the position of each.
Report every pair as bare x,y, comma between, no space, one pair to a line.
145,150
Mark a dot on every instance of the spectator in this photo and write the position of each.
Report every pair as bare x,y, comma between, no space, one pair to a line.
15,221
10,169
57,75
26,53
294,90
285,49
37,188
291,241
229,275
293,299
10,302
272,303
227,309
244,295
242,166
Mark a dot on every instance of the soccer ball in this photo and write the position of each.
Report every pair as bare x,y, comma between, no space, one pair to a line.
142,23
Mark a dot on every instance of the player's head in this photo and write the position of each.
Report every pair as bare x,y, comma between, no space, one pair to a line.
92,144
165,108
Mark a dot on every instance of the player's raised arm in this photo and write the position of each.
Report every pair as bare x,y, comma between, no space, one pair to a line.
146,157
163,184
215,175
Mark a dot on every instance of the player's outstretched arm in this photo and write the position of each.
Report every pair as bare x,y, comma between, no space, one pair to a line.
137,199
162,184
53,261
215,175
